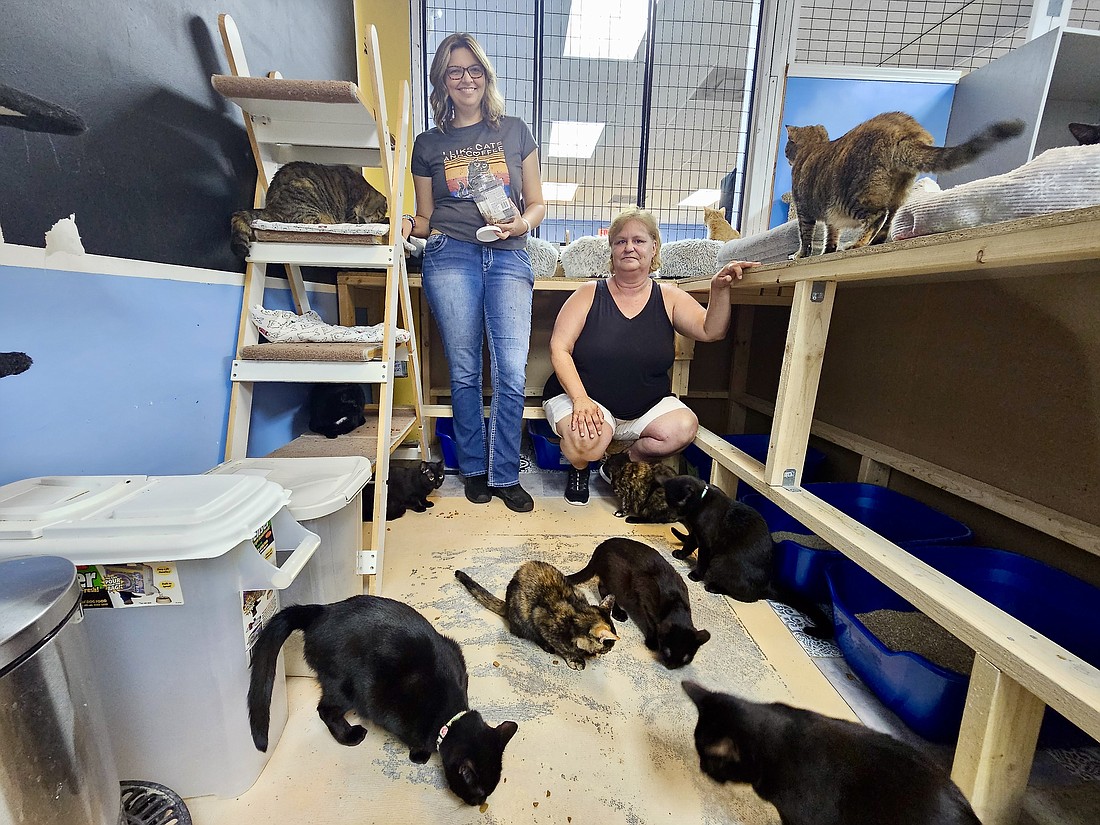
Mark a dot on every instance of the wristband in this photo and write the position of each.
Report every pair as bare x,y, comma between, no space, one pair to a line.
411,219
528,223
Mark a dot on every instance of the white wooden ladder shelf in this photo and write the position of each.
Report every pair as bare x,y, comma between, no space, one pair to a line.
328,122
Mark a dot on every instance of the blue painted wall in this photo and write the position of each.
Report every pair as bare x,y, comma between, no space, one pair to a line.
840,104
130,375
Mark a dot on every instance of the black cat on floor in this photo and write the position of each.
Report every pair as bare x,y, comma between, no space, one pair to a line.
735,550
336,409
383,660
821,771
411,482
648,591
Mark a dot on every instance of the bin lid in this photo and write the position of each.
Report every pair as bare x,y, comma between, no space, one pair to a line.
317,486
129,519
37,593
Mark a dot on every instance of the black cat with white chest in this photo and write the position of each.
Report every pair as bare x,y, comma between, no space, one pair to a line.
651,593
821,771
383,660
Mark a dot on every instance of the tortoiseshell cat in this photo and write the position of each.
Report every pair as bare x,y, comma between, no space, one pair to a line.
637,485
302,192
648,590
411,482
540,605
821,771
385,661
863,177
1087,134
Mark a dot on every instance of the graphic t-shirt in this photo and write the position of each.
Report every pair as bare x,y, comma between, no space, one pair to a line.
454,158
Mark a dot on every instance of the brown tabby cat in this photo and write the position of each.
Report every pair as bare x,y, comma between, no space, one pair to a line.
302,192
637,485
1087,134
863,177
718,228
540,605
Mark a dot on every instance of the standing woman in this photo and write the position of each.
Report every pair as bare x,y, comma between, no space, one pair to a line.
478,290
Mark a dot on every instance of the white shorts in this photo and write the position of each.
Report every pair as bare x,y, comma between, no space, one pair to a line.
561,406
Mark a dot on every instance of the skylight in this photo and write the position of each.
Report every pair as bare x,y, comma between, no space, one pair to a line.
573,139
702,197
563,192
609,29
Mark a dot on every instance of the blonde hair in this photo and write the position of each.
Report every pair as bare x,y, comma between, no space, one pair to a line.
443,110
647,220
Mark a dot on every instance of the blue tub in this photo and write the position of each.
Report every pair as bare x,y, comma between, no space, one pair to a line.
547,446
930,699
757,447
893,515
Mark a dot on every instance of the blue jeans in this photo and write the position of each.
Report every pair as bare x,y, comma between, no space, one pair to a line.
477,293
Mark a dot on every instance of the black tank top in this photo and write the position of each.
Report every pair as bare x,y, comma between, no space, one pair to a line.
624,362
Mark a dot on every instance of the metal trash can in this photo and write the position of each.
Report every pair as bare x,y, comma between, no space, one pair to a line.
56,764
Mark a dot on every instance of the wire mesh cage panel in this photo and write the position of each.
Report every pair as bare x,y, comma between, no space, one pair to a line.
631,101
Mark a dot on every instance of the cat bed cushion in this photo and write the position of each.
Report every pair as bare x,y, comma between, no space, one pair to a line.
1057,180
311,352
689,258
543,255
346,233
769,247
282,327
589,256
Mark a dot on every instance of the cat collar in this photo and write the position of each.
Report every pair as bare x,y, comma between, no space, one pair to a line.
443,731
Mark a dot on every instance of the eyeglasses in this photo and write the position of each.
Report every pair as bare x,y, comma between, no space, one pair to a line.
475,72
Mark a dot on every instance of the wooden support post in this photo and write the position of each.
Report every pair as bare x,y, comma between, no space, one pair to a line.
681,367
739,368
794,404
873,472
1000,728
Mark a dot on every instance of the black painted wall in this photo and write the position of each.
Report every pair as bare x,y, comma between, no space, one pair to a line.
165,159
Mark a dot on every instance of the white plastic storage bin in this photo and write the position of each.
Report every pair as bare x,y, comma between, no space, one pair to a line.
326,497
178,575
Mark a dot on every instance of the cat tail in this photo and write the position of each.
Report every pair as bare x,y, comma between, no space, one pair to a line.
483,596
265,656
918,157
582,575
822,623
240,230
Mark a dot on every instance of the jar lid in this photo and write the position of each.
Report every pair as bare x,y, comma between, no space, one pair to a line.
37,594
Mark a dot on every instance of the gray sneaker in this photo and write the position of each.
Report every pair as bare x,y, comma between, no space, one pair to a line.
576,487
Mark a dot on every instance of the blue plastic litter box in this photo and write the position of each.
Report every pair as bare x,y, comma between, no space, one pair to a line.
547,446
757,447
445,432
929,698
893,515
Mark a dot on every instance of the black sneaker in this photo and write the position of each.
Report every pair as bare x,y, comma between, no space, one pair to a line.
515,498
603,472
477,489
576,486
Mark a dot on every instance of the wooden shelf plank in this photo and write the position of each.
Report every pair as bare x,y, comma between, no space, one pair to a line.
1062,242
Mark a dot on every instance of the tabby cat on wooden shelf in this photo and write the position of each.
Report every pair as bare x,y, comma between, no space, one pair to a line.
302,192
863,177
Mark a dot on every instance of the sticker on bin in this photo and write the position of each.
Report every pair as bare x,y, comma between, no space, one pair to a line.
129,585
258,606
